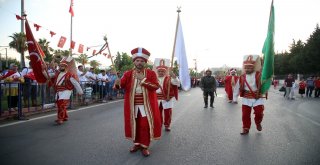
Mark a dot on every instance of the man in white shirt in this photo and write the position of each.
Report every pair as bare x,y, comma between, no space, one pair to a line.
82,75
92,80
103,83
30,86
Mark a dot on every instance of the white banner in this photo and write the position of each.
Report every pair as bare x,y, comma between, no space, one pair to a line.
180,53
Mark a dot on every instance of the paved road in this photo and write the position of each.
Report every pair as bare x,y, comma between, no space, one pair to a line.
95,136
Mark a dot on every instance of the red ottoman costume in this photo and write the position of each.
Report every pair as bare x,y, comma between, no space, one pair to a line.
248,87
169,89
64,83
141,112
230,83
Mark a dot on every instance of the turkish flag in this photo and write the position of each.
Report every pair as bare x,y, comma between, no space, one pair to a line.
36,56
37,27
94,52
62,41
80,49
71,9
109,56
72,44
52,33
18,17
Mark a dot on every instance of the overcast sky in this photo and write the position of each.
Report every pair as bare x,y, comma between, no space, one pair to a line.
216,32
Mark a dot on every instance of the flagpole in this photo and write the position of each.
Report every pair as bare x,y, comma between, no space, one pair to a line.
71,30
173,51
111,57
175,37
107,45
116,85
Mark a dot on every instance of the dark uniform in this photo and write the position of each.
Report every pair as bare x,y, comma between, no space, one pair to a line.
208,86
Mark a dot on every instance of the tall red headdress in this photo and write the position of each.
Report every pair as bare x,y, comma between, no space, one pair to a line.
140,53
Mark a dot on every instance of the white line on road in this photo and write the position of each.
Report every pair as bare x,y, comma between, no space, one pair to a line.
304,117
70,111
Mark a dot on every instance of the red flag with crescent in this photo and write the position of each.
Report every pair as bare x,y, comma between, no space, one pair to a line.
62,41
36,56
72,44
80,49
71,9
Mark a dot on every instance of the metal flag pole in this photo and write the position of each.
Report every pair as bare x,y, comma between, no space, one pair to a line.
173,51
71,20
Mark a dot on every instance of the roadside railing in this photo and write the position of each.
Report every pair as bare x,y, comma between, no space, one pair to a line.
19,100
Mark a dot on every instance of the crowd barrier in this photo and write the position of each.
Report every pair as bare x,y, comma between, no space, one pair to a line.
19,100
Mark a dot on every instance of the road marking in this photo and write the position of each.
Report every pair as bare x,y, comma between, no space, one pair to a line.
306,118
46,116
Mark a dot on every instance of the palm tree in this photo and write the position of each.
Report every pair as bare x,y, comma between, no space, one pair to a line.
94,63
44,44
59,54
82,59
19,44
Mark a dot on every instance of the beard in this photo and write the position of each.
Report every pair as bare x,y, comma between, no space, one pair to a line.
139,66
62,70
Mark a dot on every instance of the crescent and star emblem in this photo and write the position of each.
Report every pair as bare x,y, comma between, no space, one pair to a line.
33,53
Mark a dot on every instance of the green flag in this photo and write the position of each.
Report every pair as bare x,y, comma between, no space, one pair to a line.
268,55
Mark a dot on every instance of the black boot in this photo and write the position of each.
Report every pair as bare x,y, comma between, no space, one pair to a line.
211,102
205,102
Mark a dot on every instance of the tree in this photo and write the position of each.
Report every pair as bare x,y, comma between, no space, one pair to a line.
94,64
10,61
44,44
123,62
59,54
175,68
19,44
82,59
296,58
302,58
312,51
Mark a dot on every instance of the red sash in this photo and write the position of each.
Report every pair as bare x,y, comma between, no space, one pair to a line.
9,73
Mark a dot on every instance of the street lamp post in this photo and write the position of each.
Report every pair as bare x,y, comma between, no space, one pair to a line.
195,66
6,58
5,47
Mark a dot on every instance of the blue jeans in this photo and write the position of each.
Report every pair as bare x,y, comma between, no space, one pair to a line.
309,91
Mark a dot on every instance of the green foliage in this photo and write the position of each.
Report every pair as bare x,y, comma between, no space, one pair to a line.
10,61
123,62
193,73
175,68
44,44
95,63
82,59
19,43
303,57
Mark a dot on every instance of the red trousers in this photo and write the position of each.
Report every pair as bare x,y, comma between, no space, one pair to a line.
62,109
166,115
142,131
230,95
246,115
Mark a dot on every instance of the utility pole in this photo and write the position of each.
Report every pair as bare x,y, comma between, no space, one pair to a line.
0,62
195,66
6,58
5,47
23,15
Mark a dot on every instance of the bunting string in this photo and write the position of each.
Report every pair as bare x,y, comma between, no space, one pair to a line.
53,34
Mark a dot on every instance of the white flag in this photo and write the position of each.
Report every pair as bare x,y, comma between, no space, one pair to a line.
180,53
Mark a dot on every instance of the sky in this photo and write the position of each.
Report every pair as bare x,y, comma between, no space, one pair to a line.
216,32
